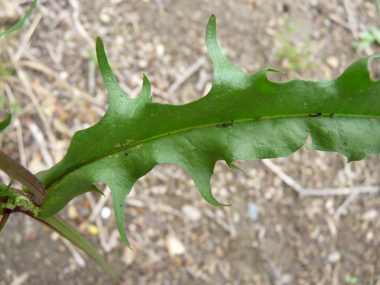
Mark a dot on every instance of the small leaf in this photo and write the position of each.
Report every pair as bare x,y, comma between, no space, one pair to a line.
6,191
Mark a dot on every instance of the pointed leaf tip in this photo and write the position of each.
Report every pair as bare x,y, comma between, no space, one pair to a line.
234,166
5,123
109,78
219,61
207,195
119,214
275,70
146,92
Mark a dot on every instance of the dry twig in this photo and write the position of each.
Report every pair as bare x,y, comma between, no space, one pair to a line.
41,142
27,36
99,206
339,192
284,177
343,207
78,259
184,76
26,83
352,21
17,125
217,220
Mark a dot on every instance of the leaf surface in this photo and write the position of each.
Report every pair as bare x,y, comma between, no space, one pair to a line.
262,119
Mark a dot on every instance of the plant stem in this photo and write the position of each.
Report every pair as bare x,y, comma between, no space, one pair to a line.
4,219
20,173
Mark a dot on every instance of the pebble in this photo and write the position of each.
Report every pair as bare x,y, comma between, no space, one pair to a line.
72,212
174,245
369,237
219,252
54,236
8,12
160,50
371,214
191,212
119,40
142,63
128,256
105,213
253,211
334,257
92,229
105,18
332,61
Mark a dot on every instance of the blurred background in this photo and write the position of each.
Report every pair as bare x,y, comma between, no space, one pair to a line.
309,218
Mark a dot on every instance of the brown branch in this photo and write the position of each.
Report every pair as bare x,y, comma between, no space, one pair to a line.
4,219
23,175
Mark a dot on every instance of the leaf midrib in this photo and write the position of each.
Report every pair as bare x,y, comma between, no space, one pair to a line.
57,181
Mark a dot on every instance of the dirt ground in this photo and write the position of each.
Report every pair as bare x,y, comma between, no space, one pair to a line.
270,234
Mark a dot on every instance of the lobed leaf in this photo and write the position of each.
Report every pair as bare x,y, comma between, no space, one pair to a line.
244,116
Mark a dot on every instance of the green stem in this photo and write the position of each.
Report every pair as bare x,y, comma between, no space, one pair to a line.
68,232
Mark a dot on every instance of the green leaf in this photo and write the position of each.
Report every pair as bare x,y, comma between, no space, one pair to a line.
68,232
5,123
6,191
244,116
21,22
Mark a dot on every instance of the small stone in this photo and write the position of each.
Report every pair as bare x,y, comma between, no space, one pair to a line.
142,63
119,39
332,61
92,229
128,256
105,213
72,212
371,214
105,18
54,236
191,212
334,257
160,50
48,263
8,12
82,227
219,252
174,245
253,211
369,237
